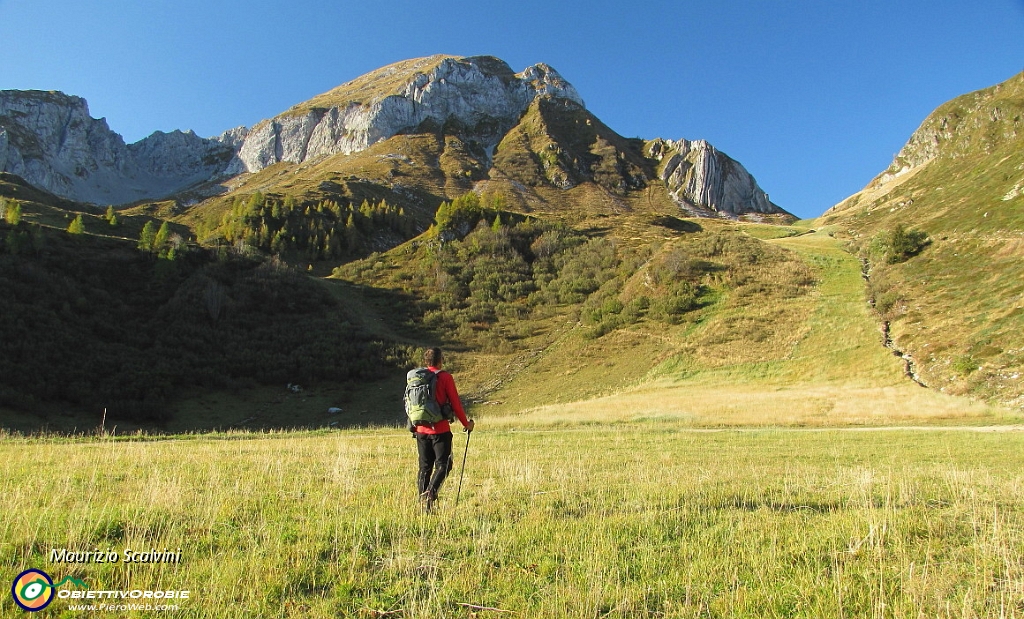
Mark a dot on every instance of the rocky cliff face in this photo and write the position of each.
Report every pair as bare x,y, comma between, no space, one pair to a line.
706,182
479,97
50,140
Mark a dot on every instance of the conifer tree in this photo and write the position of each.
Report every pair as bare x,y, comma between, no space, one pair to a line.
13,242
255,200
277,245
162,235
366,216
77,226
333,246
146,237
38,238
12,214
352,236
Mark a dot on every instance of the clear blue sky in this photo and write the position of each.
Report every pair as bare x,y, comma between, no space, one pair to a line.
812,97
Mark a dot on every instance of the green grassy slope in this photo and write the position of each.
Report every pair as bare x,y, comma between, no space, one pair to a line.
599,313
824,364
958,307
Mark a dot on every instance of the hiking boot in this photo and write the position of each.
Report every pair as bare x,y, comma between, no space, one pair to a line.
428,498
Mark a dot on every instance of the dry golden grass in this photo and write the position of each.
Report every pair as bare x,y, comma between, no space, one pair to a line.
711,405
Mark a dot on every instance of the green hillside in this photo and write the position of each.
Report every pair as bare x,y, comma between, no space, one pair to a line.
957,307
92,323
556,270
710,321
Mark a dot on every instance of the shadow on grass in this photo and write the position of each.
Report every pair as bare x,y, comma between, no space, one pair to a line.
677,225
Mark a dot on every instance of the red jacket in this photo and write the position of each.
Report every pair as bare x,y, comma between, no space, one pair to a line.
446,393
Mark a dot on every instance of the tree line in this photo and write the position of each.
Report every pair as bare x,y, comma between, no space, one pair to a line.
325,230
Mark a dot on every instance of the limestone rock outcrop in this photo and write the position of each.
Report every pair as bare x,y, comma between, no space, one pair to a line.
50,140
704,181
479,96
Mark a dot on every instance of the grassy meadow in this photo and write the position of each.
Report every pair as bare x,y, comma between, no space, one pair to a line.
652,519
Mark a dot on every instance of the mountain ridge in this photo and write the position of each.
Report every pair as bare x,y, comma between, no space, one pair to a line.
49,139
477,99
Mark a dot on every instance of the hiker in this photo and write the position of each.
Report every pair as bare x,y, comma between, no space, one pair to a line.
434,439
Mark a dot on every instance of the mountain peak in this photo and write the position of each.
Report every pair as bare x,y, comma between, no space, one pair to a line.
405,77
479,93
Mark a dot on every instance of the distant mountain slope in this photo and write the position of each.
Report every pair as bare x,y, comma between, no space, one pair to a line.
478,107
50,140
957,308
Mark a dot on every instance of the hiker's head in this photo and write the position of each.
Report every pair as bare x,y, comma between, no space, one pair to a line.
433,357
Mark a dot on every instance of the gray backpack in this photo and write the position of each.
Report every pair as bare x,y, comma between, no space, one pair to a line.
421,399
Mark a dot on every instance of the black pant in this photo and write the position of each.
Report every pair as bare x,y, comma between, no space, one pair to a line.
435,461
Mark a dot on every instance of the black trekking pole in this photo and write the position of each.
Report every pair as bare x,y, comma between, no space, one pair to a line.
462,473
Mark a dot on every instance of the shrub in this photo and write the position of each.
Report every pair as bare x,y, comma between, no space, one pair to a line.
12,212
965,364
898,244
